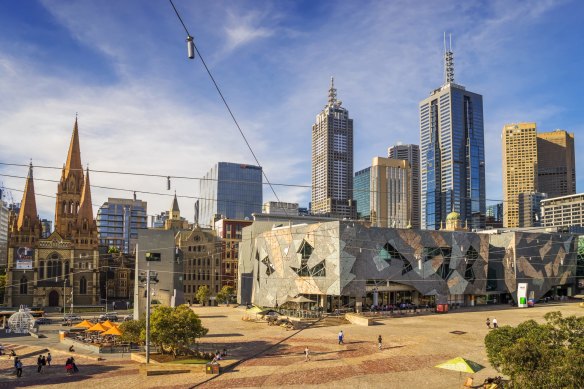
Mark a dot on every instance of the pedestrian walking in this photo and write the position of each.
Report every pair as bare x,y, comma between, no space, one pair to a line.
39,363
69,366
18,366
495,324
488,323
379,342
49,359
306,354
341,336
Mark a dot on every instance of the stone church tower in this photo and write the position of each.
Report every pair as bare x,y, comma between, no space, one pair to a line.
64,267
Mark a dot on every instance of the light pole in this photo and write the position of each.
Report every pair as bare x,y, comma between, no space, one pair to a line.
148,312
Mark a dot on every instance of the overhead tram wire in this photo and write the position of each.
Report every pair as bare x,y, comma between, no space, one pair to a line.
191,43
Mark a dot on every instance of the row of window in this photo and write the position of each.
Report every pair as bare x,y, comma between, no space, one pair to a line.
24,285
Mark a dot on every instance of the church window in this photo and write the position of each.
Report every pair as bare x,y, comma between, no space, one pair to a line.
23,285
83,286
41,270
66,268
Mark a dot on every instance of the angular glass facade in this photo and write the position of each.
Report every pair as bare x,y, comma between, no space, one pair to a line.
362,193
230,189
452,157
118,222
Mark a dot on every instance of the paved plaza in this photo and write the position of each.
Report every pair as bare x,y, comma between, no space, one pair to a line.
270,356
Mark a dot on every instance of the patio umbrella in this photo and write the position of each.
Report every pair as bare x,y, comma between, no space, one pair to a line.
107,324
461,365
97,328
115,331
84,324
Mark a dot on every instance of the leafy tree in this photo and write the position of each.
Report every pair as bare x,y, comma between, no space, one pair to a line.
134,331
202,294
224,295
549,355
174,329
113,250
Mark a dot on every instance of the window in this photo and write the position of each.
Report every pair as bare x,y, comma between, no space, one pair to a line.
269,266
23,285
41,270
82,286
388,252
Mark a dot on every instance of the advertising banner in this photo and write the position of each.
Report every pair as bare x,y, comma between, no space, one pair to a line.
522,295
23,257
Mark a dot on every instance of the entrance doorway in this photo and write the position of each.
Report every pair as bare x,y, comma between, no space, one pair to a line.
54,299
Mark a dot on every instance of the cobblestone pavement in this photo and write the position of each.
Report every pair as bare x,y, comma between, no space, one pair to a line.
269,356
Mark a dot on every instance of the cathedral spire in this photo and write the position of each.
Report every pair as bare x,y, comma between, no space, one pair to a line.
85,206
73,163
28,210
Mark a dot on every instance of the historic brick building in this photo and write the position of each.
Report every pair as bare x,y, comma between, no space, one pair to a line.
62,269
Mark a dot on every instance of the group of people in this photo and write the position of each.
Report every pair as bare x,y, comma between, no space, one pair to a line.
495,324
70,366
43,361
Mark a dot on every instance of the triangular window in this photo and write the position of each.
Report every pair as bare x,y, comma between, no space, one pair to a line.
269,266
407,266
388,252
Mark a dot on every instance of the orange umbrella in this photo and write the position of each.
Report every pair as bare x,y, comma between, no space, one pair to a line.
107,324
115,331
84,324
98,327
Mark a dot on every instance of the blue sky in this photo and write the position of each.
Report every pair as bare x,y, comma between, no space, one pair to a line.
144,107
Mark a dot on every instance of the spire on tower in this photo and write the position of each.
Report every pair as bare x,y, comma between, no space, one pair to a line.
448,61
85,205
73,163
28,209
332,96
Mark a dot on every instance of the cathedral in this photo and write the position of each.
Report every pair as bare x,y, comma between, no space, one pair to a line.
62,269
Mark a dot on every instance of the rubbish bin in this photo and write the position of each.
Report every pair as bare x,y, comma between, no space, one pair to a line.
213,368
442,308
62,335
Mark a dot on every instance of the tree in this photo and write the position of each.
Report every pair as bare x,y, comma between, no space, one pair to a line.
202,294
134,331
174,329
224,295
537,355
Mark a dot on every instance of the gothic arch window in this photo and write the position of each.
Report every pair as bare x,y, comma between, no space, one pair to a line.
83,285
76,208
66,267
64,207
23,285
41,270
84,224
71,207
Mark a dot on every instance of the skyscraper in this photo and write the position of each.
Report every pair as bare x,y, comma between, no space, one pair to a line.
556,173
452,167
519,168
232,190
362,193
410,153
390,193
332,160
118,221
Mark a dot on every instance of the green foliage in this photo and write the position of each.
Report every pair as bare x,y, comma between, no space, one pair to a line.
533,355
113,250
224,295
202,294
174,329
134,331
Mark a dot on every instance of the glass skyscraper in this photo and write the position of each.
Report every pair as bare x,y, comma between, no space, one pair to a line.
362,193
118,222
231,190
452,155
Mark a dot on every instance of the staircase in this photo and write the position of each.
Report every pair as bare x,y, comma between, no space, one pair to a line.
331,321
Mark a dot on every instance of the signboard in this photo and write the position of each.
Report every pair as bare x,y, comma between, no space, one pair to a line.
23,258
155,257
522,295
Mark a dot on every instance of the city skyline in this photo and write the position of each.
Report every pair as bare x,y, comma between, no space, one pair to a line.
140,93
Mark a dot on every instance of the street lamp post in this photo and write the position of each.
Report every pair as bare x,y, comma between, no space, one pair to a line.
148,313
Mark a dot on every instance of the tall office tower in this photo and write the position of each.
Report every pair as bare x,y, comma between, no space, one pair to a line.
495,215
118,222
556,173
410,153
4,217
390,193
519,167
362,193
232,190
530,209
452,168
332,160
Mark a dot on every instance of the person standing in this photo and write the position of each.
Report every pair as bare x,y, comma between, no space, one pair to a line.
49,359
39,363
306,354
488,323
341,336
379,342
18,366
495,324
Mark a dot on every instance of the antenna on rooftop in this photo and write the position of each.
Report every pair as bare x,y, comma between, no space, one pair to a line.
448,61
